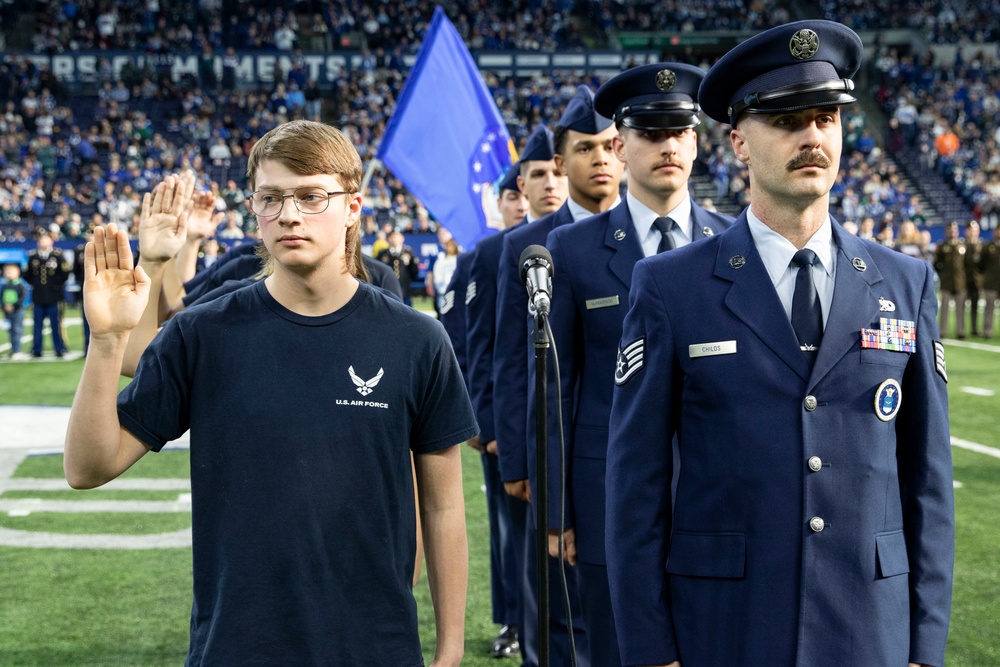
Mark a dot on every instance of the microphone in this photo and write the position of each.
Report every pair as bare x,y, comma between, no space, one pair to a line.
536,274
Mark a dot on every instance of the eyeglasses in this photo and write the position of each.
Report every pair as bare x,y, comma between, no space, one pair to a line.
268,203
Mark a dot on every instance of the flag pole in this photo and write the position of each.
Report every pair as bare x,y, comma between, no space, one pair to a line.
372,166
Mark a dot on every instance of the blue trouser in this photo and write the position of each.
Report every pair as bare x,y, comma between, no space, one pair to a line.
51,312
505,570
559,636
595,599
16,320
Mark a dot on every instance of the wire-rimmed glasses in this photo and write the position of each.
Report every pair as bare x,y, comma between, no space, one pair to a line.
308,200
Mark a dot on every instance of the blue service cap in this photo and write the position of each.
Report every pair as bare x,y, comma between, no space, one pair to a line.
659,96
799,65
509,180
580,115
539,145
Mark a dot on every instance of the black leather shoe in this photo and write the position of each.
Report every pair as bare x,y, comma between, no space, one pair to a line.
506,645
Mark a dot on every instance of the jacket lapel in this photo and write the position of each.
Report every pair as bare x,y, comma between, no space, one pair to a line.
855,305
752,297
622,241
697,223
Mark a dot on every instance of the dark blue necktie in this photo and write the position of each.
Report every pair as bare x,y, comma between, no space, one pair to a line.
664,225
807,315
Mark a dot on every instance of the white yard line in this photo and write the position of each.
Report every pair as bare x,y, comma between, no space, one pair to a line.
975,447
971,345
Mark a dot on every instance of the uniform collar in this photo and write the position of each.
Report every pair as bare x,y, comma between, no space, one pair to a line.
580,213
643,216
776,251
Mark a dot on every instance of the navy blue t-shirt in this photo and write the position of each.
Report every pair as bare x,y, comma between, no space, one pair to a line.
243,250
240,268
301,431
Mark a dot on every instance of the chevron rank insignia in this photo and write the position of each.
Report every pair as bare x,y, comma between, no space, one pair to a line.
939,364
630,361
448,302
470,292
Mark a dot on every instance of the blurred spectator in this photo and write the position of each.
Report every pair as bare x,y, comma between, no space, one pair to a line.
910,241
403,262
973,272
439,274
233,229
47,272
949,262
210,252
13,292
990,266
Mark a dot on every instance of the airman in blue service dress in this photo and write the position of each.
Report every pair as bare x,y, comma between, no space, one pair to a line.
512,372
481,299
813,522
593,262
506,514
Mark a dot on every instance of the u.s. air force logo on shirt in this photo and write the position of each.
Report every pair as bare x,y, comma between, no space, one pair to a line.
630,360
364,387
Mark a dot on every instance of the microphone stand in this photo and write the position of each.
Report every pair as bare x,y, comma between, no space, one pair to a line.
540,341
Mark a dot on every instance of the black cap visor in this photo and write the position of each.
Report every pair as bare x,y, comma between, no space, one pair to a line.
795,98
660,116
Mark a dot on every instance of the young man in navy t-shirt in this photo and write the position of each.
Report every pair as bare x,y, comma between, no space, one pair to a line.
303,402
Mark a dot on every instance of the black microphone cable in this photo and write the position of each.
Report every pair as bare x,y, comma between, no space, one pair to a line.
562,490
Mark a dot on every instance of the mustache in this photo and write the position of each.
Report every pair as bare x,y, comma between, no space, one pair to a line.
808,158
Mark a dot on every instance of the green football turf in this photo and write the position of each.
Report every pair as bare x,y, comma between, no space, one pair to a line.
68,607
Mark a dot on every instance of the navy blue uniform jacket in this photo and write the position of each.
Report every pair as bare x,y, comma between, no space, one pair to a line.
453,310
593,263
739,570
510,354
480,303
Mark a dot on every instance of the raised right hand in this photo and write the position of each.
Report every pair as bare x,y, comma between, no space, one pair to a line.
115,294
202,218
163,219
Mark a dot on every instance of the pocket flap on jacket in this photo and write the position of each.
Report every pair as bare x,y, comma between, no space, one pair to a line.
891,552
720,555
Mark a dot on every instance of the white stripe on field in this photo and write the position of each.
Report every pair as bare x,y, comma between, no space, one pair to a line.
975,447
972,345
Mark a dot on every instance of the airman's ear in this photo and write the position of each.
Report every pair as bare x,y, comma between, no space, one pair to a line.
738,139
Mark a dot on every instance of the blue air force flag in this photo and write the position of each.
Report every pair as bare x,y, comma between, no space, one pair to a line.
446,140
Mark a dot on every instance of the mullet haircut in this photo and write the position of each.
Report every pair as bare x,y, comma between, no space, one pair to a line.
308,148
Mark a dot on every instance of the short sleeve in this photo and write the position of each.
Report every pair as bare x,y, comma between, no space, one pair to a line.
155,406
444,415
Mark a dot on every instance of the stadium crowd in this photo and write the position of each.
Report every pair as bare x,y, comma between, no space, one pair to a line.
949,114
70,163
938,22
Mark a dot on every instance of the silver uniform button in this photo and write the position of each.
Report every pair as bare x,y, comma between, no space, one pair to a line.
816,524
810,403
815,463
